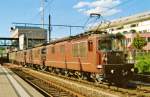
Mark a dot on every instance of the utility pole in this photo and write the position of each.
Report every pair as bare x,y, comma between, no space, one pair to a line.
42,12
49,27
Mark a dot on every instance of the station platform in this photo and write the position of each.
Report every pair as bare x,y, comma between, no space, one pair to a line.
13,86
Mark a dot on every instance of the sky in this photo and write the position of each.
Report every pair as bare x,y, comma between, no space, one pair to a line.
67,12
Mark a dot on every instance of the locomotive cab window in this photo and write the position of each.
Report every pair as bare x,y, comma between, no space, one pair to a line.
104,44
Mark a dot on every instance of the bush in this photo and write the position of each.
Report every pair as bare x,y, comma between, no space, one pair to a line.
143,63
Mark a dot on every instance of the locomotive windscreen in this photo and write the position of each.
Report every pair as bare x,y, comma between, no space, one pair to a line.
105,45
112,50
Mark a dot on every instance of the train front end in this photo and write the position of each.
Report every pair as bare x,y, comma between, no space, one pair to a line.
116,68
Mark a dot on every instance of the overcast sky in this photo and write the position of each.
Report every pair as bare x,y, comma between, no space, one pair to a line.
70,12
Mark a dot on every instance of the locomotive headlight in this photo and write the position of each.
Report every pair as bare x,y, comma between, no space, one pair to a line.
124,72
112,71
132,69
117,54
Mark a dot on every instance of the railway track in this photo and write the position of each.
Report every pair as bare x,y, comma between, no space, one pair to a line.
47,88
141,91
142,78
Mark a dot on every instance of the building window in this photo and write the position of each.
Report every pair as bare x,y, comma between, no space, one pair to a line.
125,32
132,31
144,31
133,25
148,39
129,39
119,28
112,29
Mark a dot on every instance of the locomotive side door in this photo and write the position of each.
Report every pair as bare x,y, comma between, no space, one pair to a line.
30,56
24,58
104,46
43,55
98,55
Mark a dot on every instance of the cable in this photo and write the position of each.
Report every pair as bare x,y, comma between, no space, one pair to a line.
125,2
105,21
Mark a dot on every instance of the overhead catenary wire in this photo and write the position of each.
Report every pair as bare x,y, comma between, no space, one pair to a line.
48,5
103,19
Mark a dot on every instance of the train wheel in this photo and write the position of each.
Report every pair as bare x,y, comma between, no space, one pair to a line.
77,75
57,71
49,69
85,76
82,76
99,78
42,67
35,66
66,73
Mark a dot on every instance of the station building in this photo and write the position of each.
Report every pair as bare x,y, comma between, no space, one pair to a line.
29,36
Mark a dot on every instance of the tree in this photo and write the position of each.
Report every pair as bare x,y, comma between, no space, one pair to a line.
139,42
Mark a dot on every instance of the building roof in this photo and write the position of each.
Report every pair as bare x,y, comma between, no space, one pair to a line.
27,27
125,20
139,16
130,35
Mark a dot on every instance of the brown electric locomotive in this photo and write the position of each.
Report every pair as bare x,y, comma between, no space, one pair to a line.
87,56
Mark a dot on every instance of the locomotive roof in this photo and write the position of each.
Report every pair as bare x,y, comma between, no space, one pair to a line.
101,34
89,33
85,34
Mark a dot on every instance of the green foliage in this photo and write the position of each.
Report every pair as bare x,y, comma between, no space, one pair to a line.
1,50
143,63
120,36
139,42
